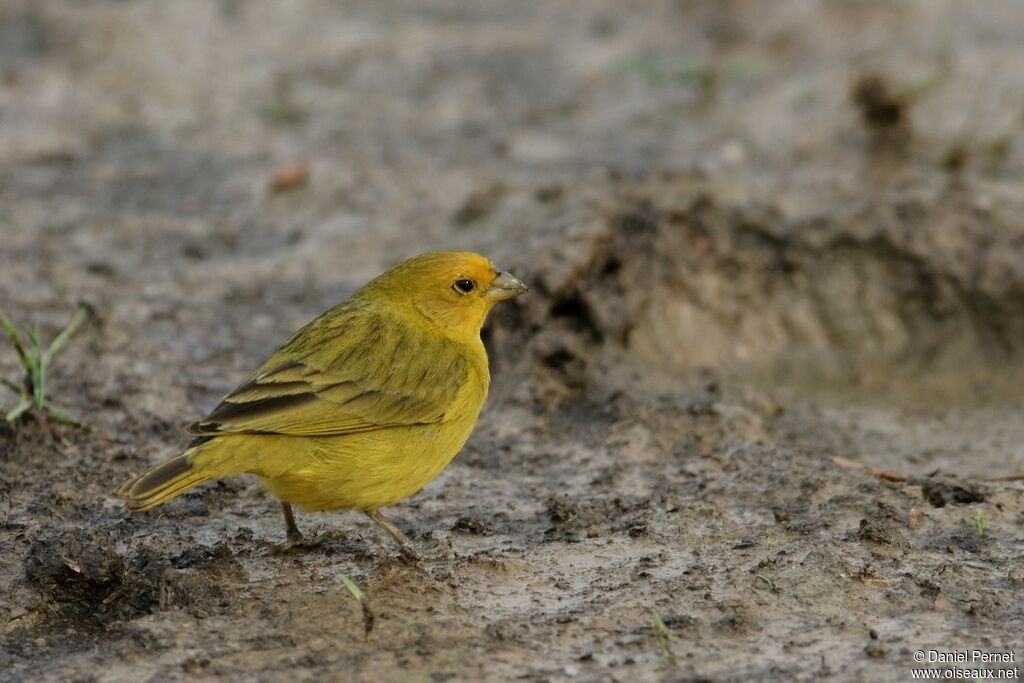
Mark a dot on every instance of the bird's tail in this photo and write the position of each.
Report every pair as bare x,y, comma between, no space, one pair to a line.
164,481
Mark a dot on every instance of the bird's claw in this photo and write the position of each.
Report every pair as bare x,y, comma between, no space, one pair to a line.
410,555
300,544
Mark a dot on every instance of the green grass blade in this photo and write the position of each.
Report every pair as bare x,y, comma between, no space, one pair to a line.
62,416
12,334
36,360
32,332
356,592
18,410
61,340
363,602
39,385
38,371
664,636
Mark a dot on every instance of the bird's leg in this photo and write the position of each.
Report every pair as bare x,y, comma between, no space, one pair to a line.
296,541
408,551
294,535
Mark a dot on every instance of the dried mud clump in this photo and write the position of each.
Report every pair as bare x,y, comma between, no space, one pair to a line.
81,574
940,493
572,521
76,566
879,104
884,110
471,525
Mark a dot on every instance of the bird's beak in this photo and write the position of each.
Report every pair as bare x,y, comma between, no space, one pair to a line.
505,286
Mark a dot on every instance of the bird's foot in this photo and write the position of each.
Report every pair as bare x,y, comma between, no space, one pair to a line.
409,555
297,543
405,545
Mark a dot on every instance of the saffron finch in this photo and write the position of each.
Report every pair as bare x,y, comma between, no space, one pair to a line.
361,407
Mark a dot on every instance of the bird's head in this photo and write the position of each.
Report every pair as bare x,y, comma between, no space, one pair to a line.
452,289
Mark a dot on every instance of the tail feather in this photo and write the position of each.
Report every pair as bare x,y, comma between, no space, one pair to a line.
162,482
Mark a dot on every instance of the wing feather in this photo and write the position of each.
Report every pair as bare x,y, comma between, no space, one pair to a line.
370,375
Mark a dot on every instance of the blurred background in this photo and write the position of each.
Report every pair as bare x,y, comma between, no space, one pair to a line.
801,218
802,193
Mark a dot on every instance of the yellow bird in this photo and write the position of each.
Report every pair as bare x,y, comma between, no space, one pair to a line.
361,407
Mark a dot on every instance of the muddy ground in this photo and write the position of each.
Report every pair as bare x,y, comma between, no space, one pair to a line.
760,236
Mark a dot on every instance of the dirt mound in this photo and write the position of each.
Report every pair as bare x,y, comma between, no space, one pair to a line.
76,566
80,573
675,277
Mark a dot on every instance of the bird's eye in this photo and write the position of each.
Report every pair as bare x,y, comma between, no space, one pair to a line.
464,286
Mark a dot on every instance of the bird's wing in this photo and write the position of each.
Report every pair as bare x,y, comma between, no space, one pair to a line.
371,374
